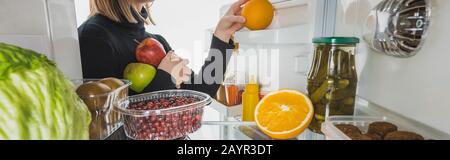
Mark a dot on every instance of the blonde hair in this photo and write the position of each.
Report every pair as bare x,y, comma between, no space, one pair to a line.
117,10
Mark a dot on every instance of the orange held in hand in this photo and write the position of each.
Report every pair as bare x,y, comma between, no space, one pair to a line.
284,114
259,14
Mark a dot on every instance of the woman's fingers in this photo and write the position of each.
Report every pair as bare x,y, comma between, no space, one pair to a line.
184,69
187,71
186,75
236,27
184,62
169,55
235,23
185,78
239,12
236,7
231,22
174,57
235,19
181,72
176,67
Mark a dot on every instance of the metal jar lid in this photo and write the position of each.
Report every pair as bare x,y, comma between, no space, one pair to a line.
336,40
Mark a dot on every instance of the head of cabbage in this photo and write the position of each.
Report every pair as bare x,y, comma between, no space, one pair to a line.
37,102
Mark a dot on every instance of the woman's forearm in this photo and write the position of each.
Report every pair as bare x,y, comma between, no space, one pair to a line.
212,72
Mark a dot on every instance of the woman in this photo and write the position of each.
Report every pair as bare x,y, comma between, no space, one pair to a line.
108,43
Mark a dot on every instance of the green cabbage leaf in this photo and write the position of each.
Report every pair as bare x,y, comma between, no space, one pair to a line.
37,102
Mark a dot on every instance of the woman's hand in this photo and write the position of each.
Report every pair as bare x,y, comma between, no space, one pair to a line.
176,67
231,22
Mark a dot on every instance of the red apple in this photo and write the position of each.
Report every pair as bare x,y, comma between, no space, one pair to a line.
151,52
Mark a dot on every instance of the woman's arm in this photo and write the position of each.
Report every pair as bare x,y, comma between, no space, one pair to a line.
211,74
209,79
213,70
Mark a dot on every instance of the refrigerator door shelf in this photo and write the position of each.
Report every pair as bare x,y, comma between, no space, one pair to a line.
287,13
276,36
279,55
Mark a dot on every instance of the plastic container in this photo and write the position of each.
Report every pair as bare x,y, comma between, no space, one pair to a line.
331,132
105,121
163,124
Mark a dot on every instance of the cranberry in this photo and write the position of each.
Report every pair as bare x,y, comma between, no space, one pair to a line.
165,104
198,117
153,119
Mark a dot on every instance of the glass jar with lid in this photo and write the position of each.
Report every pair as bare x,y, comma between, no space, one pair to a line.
332,80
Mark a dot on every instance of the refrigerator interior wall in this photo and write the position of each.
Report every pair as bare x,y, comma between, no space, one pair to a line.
416,87
280,55
46,26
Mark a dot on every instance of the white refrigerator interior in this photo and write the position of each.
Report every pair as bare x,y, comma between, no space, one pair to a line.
415,87
46,26
280,55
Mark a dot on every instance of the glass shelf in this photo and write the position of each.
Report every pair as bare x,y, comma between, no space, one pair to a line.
219,125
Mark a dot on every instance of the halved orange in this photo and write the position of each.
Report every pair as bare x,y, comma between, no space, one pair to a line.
284,114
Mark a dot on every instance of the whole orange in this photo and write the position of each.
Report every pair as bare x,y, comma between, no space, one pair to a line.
259,14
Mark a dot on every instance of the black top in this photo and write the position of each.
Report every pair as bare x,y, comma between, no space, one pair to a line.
107,47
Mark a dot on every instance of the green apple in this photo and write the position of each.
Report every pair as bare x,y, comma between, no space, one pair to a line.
140,75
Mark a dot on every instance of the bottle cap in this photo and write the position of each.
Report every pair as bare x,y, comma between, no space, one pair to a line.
253,86
336,40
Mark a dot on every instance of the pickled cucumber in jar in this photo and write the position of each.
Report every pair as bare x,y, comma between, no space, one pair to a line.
332,80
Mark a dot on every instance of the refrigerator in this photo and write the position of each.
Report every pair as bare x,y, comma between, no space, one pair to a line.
408,82
46,26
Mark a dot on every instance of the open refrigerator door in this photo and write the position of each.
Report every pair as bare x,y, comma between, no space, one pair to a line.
390,88
48,27
400,64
